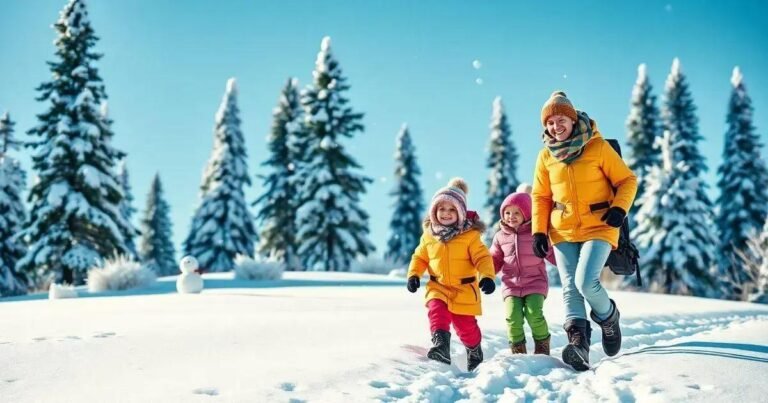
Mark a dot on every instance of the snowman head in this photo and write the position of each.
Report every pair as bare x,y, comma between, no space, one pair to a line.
188,264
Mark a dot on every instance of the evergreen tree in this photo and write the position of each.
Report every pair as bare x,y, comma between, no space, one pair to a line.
278,203
12,213
75,220
675,232
679,118
126,206
332,227
408,212
759,292
222,227
157,251
502,160
743,184
643,128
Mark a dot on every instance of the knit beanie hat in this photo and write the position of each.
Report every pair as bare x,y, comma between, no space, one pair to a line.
558,104
456,194
520,200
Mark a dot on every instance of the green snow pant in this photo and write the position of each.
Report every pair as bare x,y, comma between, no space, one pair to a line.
530,307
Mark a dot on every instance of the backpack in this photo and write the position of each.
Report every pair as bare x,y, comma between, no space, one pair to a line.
623,260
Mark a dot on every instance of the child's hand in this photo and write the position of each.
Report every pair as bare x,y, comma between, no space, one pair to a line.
487,285
413,283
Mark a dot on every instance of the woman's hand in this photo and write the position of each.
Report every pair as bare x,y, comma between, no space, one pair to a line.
614,216
540,245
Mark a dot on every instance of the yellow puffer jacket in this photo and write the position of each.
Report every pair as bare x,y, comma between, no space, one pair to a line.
455,268
569,200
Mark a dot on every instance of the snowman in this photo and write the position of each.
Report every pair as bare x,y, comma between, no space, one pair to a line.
189,282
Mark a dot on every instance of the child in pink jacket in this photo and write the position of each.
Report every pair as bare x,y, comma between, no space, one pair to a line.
523,275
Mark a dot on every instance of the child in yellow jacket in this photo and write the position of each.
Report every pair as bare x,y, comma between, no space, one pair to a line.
459,264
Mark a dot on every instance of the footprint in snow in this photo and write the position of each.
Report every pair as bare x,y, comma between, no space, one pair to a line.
104,335
206,391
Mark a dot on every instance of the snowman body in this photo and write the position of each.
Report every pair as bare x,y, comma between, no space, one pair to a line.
189,282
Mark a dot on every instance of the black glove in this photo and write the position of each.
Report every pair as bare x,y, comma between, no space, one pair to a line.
540,245
487,285
614,216
413,283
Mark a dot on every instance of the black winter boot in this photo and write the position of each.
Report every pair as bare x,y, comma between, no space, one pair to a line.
576,353
611,331
441,351
474,357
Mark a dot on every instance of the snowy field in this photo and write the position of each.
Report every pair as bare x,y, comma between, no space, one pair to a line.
353,338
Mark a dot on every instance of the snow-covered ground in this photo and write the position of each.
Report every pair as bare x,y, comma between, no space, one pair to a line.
346,337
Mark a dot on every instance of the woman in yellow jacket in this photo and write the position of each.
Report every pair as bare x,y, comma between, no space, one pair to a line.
575,205
459,265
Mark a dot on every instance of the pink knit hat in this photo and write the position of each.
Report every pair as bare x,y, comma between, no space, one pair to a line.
520,200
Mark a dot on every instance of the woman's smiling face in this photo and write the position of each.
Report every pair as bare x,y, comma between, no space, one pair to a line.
560,126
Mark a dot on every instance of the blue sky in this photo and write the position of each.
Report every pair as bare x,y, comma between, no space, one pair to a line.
166,64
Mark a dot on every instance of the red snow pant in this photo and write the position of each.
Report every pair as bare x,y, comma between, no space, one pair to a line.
440,318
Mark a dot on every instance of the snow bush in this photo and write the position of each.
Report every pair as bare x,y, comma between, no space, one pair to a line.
61,291
373,265
247,268
119,273
398,273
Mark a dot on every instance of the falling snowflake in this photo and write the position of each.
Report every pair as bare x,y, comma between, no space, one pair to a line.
438,175
565,76
383,179
668,7
479,81
476,64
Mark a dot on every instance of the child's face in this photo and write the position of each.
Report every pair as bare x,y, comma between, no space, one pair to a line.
513,216
560,126
446,213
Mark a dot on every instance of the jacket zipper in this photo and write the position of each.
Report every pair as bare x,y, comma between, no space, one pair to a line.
575,196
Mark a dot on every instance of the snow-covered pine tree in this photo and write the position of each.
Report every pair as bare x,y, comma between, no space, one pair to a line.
126,206
278,203
332,227
222,227
75,220
502,161
12,213
743,184
643,128
759,292
408,209
675,232
157,251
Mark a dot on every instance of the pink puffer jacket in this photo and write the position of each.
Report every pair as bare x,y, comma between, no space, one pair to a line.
522,273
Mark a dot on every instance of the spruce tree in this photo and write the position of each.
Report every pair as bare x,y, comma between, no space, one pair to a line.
222,227
332,227
157,251
126,206
408,209
643,128
278,203
743,184
75,220
675,232
502,161
12,213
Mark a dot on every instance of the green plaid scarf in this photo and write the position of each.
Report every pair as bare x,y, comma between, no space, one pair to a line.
570,150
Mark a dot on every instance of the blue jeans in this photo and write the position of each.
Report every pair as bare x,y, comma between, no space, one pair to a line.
580,264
